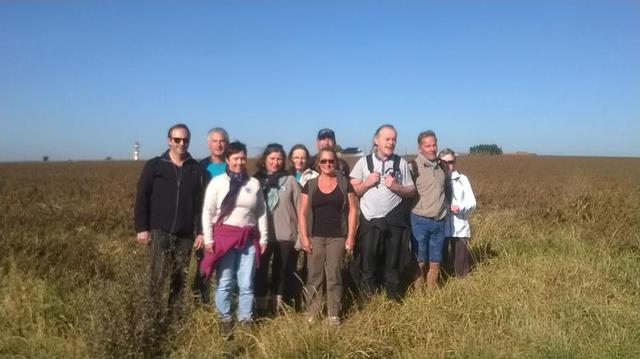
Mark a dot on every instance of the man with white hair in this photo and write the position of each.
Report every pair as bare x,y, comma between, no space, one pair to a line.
383,182
212,166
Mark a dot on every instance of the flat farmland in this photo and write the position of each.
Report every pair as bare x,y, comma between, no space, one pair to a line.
556,241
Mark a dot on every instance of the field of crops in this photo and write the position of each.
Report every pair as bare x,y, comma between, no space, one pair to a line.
556,241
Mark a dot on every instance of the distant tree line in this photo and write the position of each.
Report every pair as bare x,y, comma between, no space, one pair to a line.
492,149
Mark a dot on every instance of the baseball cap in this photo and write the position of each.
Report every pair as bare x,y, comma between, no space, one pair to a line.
326,132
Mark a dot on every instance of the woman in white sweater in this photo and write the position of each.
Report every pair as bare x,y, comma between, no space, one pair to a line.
235,233
462,203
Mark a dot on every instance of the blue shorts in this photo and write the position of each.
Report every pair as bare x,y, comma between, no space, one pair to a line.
427,238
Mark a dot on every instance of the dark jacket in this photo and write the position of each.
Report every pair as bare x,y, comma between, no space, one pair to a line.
169,197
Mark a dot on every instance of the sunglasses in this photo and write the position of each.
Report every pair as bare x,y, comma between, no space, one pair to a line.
178,140
452,162
324,161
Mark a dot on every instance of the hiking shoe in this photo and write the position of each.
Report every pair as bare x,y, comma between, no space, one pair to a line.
200,298
311,319
226,327
247,324
334,321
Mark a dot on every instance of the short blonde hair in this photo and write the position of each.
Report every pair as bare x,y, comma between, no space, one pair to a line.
316,165
447,151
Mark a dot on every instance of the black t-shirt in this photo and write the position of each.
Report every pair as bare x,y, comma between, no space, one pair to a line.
327,211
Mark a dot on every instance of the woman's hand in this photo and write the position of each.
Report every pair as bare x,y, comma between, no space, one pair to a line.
143,237
199,241
208,248
306,245
263,248
348,245
455,209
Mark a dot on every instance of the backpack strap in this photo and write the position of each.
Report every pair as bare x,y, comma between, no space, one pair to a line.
312,185
413,165
342,184
369,158
396,163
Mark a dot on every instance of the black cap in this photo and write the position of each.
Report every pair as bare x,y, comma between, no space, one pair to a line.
326,132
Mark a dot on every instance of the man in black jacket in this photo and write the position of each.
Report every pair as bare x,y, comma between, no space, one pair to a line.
168,215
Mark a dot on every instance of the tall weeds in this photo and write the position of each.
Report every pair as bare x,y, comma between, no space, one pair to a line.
556,242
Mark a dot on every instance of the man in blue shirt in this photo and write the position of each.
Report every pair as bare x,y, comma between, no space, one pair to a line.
214,165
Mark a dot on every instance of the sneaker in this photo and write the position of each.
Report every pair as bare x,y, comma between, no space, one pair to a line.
335,321
226,327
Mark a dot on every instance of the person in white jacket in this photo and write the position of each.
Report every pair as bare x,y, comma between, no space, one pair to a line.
462,203
234,221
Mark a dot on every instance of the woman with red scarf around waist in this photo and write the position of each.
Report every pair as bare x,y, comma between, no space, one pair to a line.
235,234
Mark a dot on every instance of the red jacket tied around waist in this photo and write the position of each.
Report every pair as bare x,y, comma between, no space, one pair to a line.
228,237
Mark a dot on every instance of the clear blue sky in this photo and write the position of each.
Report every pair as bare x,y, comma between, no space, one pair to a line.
85,79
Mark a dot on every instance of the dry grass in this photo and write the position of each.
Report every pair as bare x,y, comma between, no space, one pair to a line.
557,241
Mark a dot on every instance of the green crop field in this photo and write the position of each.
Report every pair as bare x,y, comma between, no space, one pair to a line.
556,241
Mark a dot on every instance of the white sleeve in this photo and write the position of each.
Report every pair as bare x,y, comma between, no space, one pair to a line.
357,170
407,179
261,215
209,211
469,203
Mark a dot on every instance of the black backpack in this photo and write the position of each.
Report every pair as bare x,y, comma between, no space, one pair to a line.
396,163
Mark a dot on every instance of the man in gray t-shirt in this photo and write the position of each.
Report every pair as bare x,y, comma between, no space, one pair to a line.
383,219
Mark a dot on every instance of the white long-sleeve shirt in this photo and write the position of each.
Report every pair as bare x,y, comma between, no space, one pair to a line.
250,207
457,225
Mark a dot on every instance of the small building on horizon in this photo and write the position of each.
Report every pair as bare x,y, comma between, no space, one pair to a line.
352,151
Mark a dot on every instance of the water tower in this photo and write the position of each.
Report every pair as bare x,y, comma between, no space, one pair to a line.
136,151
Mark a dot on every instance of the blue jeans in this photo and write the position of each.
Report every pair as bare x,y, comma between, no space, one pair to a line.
237,265
427,238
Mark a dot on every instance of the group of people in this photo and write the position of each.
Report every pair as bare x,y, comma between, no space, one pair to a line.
250,229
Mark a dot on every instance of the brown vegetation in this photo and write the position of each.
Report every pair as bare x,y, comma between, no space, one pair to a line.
556,241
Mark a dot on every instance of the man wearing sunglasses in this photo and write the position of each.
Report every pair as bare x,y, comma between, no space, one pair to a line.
167,217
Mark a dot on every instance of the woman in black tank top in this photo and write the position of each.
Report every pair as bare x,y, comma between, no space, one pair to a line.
327,218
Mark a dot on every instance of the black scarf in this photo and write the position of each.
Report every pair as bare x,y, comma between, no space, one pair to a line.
236,180
271,180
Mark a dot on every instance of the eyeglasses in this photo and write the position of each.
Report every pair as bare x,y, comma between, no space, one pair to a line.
178,140
324,161
452,162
